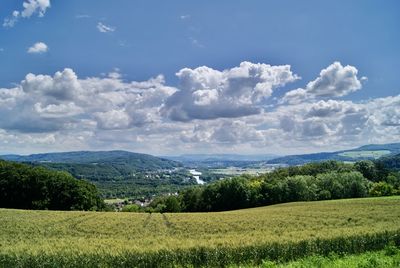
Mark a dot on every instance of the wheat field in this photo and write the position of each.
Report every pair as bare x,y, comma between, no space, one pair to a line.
283,232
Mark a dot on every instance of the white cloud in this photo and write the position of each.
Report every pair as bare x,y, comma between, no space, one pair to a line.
104,28
30,7
211,110
62,86
38,48
294,96
326,108
35,6
114,119
10,22
328,119
334,81
206,93
58,110
44,103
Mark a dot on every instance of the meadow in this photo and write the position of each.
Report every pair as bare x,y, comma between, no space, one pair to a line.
235,171
362,154
281,232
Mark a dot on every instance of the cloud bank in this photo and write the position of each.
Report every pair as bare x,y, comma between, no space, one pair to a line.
232,110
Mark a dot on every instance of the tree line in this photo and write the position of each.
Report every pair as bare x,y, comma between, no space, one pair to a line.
27,187
310,182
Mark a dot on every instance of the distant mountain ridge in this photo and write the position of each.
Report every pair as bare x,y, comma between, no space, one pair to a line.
387,146
371,151
222,157
220,160
137,160
86,157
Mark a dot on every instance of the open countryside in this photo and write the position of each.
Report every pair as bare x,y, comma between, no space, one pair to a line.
229,134
368,154
178,238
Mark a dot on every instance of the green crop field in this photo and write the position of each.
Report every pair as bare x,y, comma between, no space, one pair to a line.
388,258
279,232
234,171
362,154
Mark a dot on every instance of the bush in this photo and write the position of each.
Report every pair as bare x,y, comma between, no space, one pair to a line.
131,208
382,189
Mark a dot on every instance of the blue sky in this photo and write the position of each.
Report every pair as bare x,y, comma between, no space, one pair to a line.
118,45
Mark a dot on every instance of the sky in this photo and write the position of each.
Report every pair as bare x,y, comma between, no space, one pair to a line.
176,77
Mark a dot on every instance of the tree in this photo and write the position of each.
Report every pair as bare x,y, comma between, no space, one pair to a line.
26,187
131,208
367,169
172,204
382,189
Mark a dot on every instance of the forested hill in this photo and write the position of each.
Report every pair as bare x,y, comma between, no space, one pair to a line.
136,161
366,152
115,173
26,187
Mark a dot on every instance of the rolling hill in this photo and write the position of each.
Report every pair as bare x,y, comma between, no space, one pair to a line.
372,152
136,161
219,239
116,173
220,160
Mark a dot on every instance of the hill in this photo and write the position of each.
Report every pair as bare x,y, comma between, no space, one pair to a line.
280,232
27,187
366,152
116,173
135,161
220,160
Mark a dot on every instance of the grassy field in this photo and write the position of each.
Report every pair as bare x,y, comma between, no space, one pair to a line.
361,154
279,232
234,171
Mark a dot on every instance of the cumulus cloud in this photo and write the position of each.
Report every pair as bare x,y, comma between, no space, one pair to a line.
57,110
295,96
205,93
30,7
389,111
223,132
104,28
114,119
62,86
334,81
328,108
44,103
38,48
323,118
209,110
35,7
